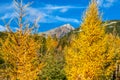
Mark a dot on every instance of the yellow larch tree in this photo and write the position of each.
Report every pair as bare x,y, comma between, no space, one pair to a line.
90,55
20,50
51,44
113,58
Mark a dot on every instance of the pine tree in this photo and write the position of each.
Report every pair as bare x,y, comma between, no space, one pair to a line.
90,56
53,70
20,50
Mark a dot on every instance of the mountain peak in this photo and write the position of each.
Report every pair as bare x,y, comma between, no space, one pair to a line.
68,26
59,31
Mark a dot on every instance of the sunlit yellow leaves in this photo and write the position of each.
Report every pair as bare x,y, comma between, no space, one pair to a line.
51,44
91,55
20,50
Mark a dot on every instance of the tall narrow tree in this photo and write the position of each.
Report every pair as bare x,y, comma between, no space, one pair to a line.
90,56
20,50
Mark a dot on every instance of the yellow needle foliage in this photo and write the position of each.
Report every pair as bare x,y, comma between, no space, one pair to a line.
113,58
51,44
20,52
91,54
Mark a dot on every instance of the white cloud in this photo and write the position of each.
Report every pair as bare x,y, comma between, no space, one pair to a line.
2,28
48,17
99,2
61,8
54,19
66,19
52,7
56,7
7,11
64,10
35,12
6,7
45,13
106,3
109,3
8,15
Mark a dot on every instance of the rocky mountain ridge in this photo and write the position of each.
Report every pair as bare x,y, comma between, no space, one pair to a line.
66,28
59,31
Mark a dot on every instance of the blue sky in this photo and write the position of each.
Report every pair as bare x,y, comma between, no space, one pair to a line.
54,13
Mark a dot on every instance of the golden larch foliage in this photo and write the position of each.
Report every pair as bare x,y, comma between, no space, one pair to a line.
51,44
91,54
20,50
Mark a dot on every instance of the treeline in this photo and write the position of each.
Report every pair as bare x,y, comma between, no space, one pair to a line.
88,53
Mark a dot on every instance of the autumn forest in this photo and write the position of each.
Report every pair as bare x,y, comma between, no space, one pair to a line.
92,53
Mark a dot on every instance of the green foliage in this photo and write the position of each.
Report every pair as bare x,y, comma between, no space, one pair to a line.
113,25
54,67
53,59
3,35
